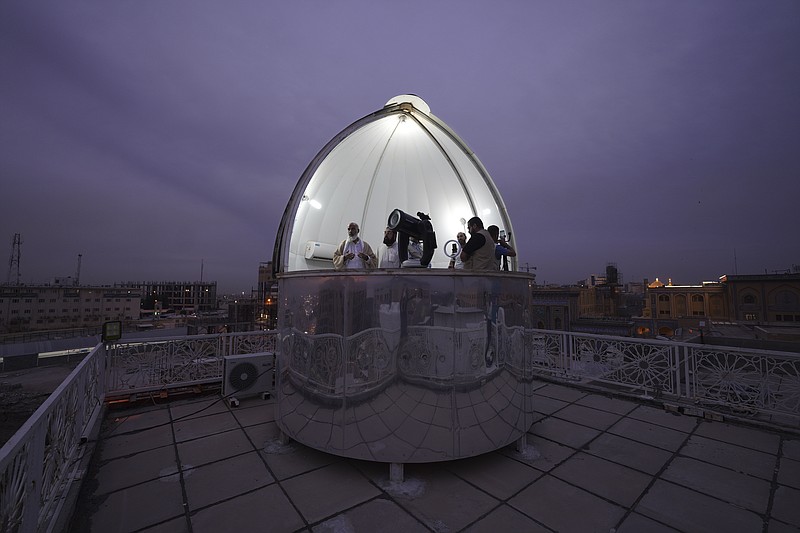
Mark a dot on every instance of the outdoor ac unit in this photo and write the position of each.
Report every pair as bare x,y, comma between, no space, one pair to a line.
247,375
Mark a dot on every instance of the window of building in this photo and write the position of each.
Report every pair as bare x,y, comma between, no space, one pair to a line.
14,300
27,311
680,305
787,301
716,303
698,307
41,300
750,316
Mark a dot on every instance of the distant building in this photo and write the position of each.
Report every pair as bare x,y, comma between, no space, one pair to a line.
605,306
770,298
267,296
675,309
597,301
765,299
48,307
554,307
241,315
178,296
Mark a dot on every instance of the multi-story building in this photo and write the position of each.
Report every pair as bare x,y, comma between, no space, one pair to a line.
56,306
178,296
267,296
764,299
770,298
676,309
554,307
597,301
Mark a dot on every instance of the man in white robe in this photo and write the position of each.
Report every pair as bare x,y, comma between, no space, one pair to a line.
354,253
388,253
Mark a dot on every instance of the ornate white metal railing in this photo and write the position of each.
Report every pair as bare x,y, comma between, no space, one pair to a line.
38,462
746,381
740,380
159,364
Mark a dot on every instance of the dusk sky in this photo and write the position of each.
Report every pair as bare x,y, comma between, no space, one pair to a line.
151,136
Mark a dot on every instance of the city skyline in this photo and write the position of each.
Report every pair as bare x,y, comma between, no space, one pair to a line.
153,138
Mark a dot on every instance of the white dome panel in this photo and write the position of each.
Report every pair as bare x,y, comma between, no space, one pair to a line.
401,157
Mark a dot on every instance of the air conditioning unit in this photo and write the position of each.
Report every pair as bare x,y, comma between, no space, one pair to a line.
247,375
319,250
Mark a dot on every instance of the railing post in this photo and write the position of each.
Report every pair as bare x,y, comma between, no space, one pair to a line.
688,367
34,466
566,342
677,363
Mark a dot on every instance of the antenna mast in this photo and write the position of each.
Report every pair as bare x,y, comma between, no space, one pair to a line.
16,245
78,271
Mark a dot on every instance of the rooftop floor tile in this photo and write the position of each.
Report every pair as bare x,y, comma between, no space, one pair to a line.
592,463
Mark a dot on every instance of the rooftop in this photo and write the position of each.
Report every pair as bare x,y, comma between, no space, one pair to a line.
593,462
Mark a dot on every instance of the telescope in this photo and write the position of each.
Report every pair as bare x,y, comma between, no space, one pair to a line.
408,226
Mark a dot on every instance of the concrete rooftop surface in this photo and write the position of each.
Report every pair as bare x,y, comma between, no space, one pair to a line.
593,463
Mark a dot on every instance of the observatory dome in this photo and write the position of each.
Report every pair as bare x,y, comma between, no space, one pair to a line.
399,157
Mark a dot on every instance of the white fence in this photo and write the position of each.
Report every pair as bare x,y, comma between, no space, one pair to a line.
39,462
159,364
743,381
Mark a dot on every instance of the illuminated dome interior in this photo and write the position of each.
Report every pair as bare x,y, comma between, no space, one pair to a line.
400,157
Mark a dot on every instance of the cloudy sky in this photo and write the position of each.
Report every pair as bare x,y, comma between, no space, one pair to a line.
150,136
